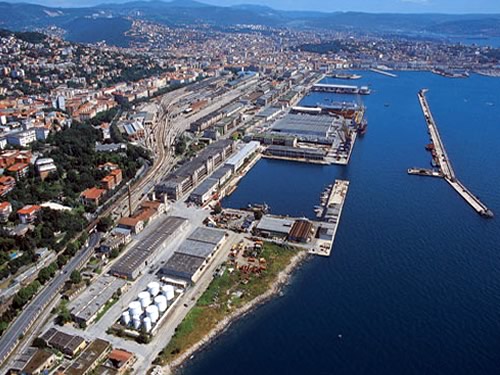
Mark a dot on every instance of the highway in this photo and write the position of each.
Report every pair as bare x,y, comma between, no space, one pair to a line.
31,312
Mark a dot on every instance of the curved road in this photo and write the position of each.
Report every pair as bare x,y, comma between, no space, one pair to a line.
29,315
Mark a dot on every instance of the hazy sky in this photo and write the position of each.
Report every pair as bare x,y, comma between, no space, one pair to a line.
441,6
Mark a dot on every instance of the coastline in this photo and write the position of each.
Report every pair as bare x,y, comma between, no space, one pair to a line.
281,280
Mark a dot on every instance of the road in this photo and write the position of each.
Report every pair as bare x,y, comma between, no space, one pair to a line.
28,316
169,125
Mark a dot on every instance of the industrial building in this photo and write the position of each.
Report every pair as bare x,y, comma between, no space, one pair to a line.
272,227
296,152
241,157
309,128
194,254
136,259
67,344
205,191
179,182
90,358
92,301
302,231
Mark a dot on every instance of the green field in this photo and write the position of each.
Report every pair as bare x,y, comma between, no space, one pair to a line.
218,300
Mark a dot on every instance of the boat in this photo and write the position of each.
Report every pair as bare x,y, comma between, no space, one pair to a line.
362,128
346,76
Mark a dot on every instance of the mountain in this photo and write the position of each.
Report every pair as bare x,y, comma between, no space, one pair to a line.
94,23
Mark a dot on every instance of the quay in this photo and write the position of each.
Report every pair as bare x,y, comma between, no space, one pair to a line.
443,163
384,72
331,213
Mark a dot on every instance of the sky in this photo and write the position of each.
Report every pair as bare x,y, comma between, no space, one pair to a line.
393,6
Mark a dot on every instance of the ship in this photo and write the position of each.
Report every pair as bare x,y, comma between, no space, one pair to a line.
362,127
345,76
264,208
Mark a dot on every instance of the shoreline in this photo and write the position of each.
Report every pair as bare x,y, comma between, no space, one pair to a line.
281,280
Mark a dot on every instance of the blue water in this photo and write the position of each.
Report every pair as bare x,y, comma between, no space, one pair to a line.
413,283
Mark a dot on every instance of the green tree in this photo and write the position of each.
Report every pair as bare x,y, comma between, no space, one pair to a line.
75,277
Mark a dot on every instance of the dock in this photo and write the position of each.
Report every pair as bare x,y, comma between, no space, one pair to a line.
331,214
384,73
443,163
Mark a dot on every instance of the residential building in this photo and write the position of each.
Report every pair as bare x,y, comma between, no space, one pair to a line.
28,214
5,211
92,196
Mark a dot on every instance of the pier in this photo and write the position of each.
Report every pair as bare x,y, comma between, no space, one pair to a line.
443,163
331,212
384,73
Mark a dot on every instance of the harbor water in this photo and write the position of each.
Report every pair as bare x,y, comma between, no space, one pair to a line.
412,285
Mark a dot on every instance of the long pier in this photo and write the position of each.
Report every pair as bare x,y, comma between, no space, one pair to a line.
384,72
443,162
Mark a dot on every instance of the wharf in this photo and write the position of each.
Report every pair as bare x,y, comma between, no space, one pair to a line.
331,214
383,72
443,162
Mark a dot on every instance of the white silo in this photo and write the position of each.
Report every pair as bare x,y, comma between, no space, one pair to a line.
144,299
153,288
152,313
135,308
168,291
146,324
136,321
161,303
126,318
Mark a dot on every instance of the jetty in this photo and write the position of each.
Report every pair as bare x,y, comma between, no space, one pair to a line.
330,213
443,163
384,73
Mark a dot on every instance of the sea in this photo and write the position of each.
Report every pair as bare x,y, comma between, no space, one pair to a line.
413,282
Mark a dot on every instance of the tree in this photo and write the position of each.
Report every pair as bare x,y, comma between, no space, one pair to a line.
218,208
75,277
104,224
258,215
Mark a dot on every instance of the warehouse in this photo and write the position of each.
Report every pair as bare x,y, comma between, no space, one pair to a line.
317,129
190,174
205,191
90,358
136,259
194,254
241,157
67,344
183,266
90,303
274,227
302,231
296,152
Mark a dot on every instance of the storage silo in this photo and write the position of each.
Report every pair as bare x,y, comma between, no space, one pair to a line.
152,313
154,288
125,318
146,324
136,321
144,299
168,291
135,308
161,303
